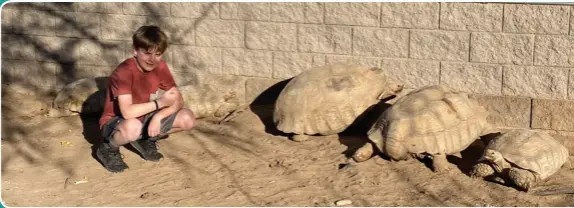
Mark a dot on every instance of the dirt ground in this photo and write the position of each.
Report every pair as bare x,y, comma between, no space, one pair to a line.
243,162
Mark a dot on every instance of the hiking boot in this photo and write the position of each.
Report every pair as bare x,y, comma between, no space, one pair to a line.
147,149
112,159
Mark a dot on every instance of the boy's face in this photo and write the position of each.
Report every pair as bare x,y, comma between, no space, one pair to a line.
147,60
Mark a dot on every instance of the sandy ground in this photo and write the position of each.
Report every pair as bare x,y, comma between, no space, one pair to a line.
243,162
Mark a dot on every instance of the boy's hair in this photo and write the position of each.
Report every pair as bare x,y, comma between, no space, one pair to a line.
150,37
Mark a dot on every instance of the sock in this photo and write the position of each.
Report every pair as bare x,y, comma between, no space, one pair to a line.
113,145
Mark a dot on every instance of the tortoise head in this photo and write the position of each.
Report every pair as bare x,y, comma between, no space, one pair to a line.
496,159
392,88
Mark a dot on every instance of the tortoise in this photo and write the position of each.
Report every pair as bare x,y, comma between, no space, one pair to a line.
327,99
84,96
523,156
431,121
207,101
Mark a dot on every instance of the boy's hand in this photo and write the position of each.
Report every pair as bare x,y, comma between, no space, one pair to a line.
168,98
154,127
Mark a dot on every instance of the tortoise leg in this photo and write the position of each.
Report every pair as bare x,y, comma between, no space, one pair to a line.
522,178
568,165
419,156
440,163
364,153
481,170
300,137
234,113
225,109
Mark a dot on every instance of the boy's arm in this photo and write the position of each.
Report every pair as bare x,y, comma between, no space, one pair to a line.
155,123
130,110
178,104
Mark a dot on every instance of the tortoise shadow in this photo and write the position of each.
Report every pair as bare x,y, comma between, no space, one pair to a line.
264,104
355,136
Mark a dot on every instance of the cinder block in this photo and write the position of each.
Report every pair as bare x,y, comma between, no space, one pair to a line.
505,111
245,11
178,30
324,39
220,33
78,24
191,59
553,114
57,49
263,90
392,43
209,10
552,50
7,15
103,53
287,65
67,74
25,6
410,15
297,12
120,27
471,16
439,45
472,78
535,82
18,47
413,74
500,48
60,6
30,74
99,7
363,61
271,36
146,8
247,62
32,22
352,13
538,19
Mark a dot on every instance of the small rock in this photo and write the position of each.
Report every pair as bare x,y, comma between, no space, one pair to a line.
147,195
343,202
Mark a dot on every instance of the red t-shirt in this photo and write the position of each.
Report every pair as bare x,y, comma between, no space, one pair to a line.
128,79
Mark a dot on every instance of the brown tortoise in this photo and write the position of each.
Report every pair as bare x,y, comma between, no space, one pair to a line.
327,99
523,156
431,121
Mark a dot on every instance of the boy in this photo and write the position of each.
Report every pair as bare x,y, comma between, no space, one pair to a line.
131,113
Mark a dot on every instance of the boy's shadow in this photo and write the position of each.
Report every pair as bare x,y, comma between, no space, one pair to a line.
92,109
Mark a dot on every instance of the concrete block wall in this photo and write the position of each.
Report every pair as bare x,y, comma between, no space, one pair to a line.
515,59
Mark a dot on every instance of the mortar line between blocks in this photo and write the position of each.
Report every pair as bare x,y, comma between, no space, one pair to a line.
568,84
469,45
502,79
439,12
531,112
502,24
569,20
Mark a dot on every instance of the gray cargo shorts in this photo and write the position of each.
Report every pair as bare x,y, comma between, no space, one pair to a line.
166,124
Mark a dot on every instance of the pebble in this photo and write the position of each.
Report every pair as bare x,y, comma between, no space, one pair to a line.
343,202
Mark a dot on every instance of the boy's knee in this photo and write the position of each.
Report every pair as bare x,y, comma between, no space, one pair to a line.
131,129
187,119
